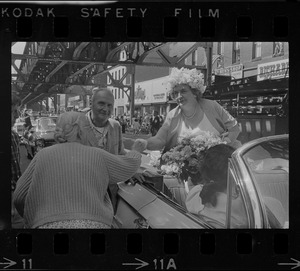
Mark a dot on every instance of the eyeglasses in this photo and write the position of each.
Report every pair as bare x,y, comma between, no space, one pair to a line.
174,94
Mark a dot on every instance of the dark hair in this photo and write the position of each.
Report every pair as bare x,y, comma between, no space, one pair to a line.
214,170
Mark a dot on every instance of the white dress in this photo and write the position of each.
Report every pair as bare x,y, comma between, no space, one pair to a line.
204,126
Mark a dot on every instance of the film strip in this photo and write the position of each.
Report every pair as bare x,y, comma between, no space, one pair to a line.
149,25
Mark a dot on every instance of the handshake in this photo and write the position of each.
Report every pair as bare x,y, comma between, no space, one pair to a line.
139,145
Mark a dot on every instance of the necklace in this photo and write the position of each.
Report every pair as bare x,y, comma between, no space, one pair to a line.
190,117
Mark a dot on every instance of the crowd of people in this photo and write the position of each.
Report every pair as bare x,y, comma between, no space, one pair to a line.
72,184
141,124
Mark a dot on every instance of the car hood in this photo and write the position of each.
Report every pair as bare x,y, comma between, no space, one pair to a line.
158,211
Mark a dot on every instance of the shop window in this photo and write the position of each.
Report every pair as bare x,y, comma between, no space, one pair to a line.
256,50
278,49
236,52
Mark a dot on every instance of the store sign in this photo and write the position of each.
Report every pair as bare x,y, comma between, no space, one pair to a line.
151,91
159,97
235,71
273,70
140,93
75,98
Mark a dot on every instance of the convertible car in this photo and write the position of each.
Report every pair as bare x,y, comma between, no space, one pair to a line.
40,135
258,173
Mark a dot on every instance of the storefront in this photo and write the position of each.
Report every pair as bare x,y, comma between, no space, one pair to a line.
273,70
151,96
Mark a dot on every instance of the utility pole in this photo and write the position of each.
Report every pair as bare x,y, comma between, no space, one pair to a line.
132,72
208,50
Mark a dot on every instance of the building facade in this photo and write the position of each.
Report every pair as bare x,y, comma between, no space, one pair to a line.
245,59
151,91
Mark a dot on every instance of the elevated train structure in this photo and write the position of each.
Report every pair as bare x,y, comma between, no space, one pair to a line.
49,68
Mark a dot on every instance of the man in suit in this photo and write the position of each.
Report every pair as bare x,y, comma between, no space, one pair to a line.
155,123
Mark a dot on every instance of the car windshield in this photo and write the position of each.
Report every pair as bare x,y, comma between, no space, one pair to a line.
46,124
268,164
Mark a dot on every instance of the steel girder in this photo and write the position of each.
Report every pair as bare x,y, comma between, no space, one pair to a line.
51,67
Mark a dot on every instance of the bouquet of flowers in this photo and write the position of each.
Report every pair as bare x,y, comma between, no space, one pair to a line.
185,159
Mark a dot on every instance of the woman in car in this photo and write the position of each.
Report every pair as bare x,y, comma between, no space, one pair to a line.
213,194
193,113
65,185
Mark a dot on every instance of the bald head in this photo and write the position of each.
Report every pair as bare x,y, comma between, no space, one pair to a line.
102,92
102,106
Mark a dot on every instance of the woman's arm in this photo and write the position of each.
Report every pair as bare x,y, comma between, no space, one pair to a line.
121,167
159,141
229,122
23,184
154,143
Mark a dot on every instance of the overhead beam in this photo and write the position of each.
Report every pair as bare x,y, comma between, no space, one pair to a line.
42,49
57,68
37,86
145,54
49,83
35,98
164,58
188,52
79,49
121,63
19,73
79,71
112,53
26,97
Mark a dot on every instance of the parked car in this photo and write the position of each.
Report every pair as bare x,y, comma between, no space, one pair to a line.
41,135
258,171
19,127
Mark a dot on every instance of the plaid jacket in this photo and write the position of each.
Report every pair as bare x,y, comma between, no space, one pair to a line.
15,159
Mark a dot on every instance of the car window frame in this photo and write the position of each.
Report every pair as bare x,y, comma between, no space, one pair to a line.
237,182
264,208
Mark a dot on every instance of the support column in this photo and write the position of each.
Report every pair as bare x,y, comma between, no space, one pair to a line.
55,103
132,90
208,50
47,104
58,104
66,101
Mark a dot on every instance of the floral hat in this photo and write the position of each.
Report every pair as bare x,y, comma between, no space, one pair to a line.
193,78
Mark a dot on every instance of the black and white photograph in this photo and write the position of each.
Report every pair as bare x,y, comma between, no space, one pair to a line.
150,135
